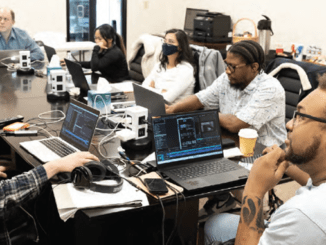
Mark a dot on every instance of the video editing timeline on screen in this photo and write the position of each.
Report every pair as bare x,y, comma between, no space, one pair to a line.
186,137
79,125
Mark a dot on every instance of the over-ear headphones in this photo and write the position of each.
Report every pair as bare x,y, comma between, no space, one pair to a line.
83,177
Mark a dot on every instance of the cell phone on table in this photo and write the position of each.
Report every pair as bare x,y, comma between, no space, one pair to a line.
156,186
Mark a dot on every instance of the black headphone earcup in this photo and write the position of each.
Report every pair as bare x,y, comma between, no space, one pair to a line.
97,169
81,177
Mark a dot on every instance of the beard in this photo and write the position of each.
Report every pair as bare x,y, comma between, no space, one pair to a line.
238,86
305,156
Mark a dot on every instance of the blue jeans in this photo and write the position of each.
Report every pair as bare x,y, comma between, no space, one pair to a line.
221,227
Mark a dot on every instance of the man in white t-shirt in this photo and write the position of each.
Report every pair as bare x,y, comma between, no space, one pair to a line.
302,219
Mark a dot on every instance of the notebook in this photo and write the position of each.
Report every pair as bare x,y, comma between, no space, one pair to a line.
9,57
189,150
76,134
149,99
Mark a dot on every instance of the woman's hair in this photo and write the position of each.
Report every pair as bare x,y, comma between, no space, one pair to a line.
108,32
184,54
250,51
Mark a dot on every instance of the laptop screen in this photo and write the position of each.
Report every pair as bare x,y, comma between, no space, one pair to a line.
187,136
190,16
79,125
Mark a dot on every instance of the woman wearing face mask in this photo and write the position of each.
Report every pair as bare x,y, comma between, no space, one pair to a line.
108,55
173,76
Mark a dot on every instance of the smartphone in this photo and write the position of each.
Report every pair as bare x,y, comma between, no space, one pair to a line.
156,186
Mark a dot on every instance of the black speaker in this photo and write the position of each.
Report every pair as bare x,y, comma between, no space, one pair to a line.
83,177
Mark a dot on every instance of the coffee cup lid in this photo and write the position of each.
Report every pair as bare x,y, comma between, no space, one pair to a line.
248,133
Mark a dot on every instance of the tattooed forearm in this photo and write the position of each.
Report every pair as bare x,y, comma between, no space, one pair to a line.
252,213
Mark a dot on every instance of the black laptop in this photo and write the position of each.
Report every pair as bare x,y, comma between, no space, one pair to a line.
189,150
149,99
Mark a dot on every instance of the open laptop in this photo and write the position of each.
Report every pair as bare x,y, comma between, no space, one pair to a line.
191,14
149,99
189,150
78,77
76,134
8,57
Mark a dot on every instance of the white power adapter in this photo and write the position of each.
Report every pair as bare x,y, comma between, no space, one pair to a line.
126,134
138,115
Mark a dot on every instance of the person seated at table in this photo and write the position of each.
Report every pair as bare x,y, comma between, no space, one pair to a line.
108,55
13,38
245,95
173,76
302,219
24,187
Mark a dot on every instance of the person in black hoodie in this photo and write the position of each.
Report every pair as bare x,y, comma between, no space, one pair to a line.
109,55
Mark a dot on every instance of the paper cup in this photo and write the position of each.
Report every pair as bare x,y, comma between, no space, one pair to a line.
247,138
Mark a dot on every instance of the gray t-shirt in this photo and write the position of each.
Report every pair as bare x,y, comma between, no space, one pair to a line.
301,220
261,104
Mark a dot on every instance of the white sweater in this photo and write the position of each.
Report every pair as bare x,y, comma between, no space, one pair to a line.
179,82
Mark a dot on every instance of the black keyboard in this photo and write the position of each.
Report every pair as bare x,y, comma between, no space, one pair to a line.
58,147
251,159
204,169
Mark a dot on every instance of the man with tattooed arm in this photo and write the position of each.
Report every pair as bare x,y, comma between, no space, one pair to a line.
302,219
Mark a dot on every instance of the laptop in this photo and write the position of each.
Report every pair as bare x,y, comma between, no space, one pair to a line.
149,99
76,134
78,77
191,14
8,57
49,52
189,150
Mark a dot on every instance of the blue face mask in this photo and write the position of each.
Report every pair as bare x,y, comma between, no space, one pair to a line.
169,49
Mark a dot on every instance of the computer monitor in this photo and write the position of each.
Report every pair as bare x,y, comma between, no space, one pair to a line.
189,21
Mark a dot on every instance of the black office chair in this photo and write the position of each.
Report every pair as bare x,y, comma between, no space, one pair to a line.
297,78
135,71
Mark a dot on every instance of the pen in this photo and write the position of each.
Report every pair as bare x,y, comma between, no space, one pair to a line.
124,156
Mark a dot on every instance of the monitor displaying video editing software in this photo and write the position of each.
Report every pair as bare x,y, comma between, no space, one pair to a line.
187,136
79,126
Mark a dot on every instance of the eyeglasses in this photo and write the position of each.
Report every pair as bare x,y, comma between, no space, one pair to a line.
4,19
232,67
297,117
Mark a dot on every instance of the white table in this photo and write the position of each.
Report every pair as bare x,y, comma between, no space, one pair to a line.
74,46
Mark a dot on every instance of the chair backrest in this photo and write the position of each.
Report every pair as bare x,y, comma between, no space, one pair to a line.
297,78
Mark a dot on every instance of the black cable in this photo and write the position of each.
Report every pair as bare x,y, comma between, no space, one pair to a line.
163,218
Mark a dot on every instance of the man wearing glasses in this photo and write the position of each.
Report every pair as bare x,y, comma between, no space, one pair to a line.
245,96
12,38
302,219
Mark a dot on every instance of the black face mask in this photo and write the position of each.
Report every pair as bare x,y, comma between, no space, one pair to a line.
169,49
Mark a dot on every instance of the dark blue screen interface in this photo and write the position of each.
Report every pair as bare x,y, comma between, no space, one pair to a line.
79,126
188,136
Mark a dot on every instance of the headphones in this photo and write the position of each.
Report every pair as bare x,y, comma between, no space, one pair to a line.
83,177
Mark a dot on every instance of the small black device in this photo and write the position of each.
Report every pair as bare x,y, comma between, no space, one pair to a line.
156,186
83,177
10,120
226,142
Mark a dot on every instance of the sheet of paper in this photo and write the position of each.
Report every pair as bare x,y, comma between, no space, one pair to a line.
123,86
69,199
233,152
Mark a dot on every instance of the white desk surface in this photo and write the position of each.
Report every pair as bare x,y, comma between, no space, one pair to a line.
68,46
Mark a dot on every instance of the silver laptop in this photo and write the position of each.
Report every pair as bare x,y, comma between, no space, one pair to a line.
8,57
149,99
189,150
76,134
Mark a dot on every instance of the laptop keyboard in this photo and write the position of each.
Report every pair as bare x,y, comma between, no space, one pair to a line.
205,169
58,147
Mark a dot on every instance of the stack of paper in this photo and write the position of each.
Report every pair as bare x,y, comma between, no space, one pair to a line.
69,199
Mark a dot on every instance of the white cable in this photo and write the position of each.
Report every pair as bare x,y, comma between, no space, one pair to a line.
52,118
106,109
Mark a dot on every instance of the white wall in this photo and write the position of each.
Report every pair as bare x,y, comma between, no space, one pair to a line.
293,21
38,15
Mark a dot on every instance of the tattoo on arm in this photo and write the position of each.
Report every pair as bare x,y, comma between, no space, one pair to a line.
252,214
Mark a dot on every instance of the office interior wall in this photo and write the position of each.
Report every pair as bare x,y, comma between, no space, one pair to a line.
36,16
293,21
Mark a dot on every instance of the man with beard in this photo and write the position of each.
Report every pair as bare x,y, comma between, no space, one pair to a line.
245,96
302,219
